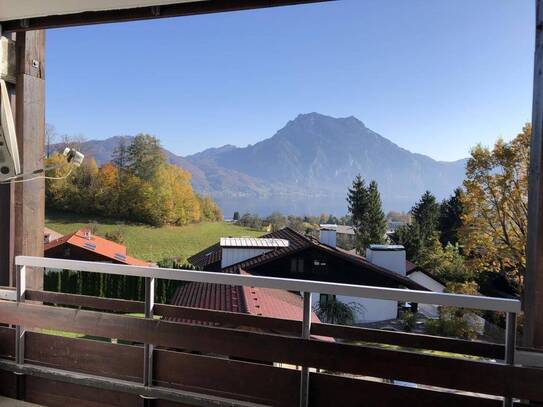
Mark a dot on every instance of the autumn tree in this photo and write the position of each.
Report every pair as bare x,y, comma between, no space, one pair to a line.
496,208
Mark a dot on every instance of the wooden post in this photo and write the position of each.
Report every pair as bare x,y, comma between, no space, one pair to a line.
29,197
7,210
533,282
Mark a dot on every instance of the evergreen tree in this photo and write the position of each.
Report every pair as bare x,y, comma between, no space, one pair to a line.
426,215
450,218
358,208
377,224
367,215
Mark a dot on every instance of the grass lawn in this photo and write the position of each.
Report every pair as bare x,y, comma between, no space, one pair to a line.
151,243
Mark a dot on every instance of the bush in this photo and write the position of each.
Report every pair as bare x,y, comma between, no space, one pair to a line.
409,320
451,323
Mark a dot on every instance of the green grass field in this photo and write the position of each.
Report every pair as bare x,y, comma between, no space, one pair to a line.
151,243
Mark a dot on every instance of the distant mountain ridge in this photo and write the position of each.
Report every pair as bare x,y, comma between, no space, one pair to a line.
307,166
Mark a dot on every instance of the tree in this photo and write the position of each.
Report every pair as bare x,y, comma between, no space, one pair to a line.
496,208
426,214
367,215
333,311
450,218
377,224
50,138
119,157
423,228
277,221
145,157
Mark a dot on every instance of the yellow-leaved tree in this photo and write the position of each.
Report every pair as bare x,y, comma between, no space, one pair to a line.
496,208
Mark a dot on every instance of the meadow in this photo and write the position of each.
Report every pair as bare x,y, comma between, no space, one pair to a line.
148,242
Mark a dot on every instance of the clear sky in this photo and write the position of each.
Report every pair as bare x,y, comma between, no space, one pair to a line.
434,76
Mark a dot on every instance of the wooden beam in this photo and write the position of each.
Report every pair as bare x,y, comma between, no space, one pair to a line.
145,13
533,282
29,197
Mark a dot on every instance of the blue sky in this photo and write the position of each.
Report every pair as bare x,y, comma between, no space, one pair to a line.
434,76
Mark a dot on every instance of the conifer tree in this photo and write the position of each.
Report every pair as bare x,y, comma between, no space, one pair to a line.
365,208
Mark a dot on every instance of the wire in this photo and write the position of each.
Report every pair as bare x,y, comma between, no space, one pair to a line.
36,178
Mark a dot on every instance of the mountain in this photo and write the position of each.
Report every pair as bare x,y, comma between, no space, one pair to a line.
307,166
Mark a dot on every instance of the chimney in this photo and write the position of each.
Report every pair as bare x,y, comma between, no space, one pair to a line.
391,257
87,234
328,235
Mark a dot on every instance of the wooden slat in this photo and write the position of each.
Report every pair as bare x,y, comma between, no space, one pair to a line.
490,378
210,375
144,13
231,319
7,342
463,347
57,394
227,378
222,318
86,301
101,358
330,390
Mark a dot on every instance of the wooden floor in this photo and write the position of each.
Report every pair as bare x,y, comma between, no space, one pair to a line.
5,402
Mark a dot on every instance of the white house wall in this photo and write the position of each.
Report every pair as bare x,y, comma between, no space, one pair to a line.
370,310
233,255
428,282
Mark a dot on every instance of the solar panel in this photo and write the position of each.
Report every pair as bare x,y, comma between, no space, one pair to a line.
90,246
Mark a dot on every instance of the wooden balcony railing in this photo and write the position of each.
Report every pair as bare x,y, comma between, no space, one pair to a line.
239,359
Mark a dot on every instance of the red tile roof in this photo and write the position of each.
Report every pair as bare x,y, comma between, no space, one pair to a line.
98,245
217,297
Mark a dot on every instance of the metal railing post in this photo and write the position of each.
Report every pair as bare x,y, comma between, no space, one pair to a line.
148,347
20,289
306,333
510,347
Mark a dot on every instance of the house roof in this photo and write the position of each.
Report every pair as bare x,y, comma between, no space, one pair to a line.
297,242
206,257
253,242
266,302
50,234
95,244
217,297
213,253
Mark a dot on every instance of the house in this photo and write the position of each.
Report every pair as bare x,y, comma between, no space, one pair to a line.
84,245
430,282
289,254
49,235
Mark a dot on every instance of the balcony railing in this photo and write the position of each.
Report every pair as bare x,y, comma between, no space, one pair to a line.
239,359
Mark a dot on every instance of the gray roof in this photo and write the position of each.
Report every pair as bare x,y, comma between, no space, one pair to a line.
253,242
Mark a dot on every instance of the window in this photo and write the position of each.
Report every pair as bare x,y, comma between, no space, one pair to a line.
325,299
297,265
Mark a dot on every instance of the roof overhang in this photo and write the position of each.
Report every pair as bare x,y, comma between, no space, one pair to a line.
17,9
19,15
